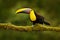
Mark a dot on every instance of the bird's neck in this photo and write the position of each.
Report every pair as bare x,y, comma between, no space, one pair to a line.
37,14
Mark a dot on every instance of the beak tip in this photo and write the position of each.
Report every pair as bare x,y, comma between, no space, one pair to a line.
16,12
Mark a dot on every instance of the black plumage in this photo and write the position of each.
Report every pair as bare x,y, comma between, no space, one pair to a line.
39,19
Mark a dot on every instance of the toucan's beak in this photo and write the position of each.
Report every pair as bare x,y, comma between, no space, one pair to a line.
23,10
20,10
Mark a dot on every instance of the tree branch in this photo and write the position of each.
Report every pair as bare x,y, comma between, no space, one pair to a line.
29,28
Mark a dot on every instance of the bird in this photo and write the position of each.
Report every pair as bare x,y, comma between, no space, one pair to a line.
34,17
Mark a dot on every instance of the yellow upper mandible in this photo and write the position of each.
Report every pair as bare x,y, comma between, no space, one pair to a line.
22,9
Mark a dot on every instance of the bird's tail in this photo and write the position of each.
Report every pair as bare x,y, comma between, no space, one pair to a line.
46,23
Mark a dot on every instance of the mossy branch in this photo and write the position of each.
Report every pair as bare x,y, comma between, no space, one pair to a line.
29,28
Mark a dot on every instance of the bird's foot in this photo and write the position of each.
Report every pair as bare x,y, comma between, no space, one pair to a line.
32,25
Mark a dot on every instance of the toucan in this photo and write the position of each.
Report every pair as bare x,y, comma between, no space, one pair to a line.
33,16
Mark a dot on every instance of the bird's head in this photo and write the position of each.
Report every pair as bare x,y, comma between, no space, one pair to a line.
27,11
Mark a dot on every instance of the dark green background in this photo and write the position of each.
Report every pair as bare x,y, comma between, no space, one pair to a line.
50,9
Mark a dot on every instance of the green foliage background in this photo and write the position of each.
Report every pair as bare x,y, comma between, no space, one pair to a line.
50,9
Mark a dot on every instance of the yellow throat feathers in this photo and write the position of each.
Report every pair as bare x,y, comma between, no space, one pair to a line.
32,16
